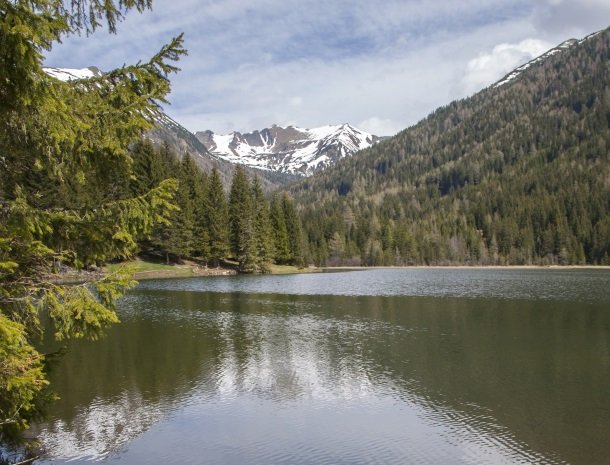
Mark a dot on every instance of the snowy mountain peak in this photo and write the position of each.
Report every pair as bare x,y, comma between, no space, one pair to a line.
292,150
289,149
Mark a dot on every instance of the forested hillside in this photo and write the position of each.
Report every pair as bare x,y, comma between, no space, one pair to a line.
517,174
209,225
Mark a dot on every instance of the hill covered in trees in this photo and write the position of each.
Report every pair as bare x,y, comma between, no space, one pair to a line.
209,224
517,174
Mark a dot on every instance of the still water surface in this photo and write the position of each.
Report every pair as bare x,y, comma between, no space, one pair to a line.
369,367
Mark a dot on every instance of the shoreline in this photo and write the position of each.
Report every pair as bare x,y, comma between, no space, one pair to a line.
183,272
189,273
195,271
469,267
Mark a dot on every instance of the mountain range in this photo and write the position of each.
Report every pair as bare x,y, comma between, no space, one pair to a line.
289,149
278,155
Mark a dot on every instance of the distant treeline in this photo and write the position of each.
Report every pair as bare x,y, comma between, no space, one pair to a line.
517,174
210,226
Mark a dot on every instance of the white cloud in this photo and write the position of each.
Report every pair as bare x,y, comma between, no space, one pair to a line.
488,68
380,126
385,64
571,18
296,101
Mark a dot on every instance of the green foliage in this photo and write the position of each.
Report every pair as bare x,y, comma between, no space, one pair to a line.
65,187
196,185
295,234
517,174
287,232
148,168
280,233
243,244
22,379
263,242
204,224
217,219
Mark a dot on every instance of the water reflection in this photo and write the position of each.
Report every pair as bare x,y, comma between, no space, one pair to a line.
581,285
267,378
102,428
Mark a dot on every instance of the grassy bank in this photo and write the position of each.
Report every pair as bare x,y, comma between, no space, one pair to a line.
146,269
289,269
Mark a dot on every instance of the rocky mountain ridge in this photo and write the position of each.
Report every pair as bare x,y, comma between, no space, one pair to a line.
278,155
289,149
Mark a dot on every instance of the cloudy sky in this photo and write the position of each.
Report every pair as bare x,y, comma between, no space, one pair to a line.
380,65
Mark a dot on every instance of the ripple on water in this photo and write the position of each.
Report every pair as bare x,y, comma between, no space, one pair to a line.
223,377
584,285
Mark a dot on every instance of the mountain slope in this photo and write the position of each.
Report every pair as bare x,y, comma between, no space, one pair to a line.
289,150
561,47
517,174
180,140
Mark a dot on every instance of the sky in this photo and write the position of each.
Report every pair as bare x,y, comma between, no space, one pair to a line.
379,65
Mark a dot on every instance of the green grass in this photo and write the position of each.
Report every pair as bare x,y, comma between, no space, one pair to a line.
289,269
142,266
145,268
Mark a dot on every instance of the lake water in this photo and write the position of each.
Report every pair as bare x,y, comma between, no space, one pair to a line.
419,366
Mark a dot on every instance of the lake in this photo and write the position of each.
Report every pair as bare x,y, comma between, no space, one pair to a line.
387,366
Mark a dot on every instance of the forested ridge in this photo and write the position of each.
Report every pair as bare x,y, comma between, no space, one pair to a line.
517,174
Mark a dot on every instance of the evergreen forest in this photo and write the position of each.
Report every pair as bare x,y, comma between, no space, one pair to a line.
242,227
518,174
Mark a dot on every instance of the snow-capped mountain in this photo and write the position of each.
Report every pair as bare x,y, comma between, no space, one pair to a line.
288,149
283,154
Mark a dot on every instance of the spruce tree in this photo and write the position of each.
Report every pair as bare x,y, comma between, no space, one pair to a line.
176,238
262,228
243,246
67,132
148,167
294,230
217,219
201,238
194,182
279,232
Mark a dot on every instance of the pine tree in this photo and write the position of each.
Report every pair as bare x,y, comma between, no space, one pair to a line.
217,219
177,237
148,167
194,182
201,237
262,228
279,232
294,230
243,246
